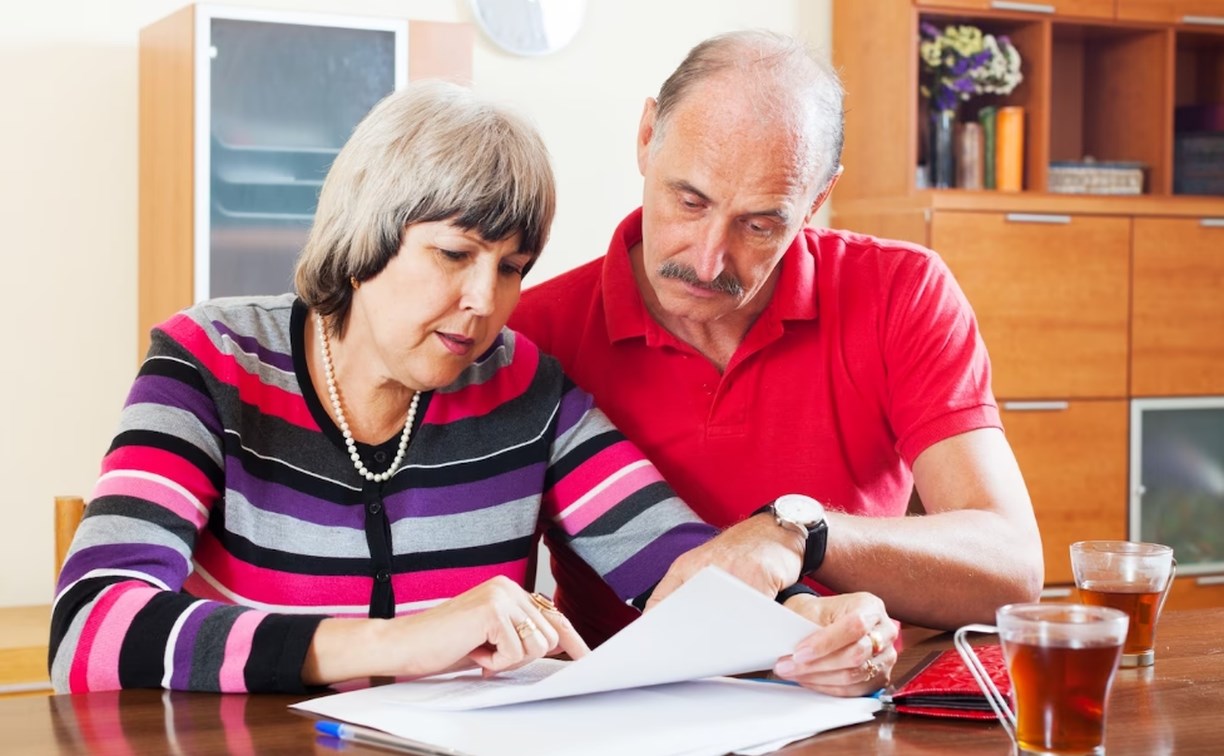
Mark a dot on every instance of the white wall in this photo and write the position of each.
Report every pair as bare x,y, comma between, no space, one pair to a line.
68,83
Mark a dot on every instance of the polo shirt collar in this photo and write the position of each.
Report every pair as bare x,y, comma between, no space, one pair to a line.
626,312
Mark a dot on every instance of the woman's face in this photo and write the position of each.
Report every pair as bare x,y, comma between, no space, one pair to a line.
439,303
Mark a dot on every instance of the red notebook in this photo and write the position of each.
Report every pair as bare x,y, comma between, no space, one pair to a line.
941,686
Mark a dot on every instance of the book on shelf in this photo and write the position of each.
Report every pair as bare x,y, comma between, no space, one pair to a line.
1009,149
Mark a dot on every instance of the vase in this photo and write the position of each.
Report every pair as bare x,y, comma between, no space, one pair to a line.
942,155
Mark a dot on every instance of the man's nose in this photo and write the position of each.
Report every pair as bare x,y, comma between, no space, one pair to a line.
712,254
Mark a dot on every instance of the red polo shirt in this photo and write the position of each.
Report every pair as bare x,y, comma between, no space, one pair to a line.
867,354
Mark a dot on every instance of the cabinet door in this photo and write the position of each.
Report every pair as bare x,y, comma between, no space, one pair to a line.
1051,297
1172,11
1195,593
1076,8
1177,339
1073,456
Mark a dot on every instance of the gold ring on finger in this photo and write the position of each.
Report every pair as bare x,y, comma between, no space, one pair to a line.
525,628
877,643
871,669
543,602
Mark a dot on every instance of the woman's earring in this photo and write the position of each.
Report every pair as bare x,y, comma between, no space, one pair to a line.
356,284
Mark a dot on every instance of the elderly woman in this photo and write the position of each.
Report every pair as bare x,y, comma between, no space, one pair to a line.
351,481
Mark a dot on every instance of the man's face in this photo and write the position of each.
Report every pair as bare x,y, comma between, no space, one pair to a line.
725,194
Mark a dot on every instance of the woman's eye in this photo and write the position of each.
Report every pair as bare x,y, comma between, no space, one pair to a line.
510,269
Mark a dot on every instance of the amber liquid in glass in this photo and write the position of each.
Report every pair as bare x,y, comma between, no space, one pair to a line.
1060,694
1139,603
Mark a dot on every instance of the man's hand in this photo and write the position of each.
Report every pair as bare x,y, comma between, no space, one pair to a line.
758,551
851,654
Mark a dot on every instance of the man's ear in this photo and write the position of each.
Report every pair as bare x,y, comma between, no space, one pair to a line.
646,132
824,194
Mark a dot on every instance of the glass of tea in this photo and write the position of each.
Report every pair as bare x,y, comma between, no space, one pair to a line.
1132,577
1061,659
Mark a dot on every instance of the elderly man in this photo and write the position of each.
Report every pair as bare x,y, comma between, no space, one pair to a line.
751,356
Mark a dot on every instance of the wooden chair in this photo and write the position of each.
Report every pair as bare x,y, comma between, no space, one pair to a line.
68,513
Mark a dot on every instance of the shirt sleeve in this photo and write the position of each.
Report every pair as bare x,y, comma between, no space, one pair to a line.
937,366
120,619
610,505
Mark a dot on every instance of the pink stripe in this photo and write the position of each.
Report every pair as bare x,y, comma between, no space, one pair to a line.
448,583
271,400
103,665
78,680
481,399
597,505
232,677
592,472
154,491
163,463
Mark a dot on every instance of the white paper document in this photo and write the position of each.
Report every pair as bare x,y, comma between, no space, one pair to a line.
712,625
640,692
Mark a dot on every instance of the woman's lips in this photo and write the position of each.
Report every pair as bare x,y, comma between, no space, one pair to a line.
456,343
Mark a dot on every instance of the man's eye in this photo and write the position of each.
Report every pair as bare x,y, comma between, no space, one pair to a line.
689,203
453,255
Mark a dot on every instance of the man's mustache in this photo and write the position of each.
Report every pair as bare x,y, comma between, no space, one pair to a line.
725,283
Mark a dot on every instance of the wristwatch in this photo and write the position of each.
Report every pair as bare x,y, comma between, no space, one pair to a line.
807,516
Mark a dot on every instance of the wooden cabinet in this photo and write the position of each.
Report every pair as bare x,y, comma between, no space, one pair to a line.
1073,456
1177,336
1076,8
1201,12
1086,302
1050,294
241,113
1195,593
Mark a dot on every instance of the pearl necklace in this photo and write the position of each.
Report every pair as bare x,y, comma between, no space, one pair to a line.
334,394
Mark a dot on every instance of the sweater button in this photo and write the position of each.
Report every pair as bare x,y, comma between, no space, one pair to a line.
382,576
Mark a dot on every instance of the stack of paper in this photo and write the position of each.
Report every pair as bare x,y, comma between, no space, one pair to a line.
713,625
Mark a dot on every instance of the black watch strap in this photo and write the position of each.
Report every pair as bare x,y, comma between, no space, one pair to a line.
814,549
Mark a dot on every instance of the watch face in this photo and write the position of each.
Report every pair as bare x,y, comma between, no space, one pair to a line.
799,508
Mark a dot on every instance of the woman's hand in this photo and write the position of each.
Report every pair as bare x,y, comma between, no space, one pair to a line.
852,652
497,626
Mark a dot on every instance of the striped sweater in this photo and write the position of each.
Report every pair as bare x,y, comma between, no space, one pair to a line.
228,519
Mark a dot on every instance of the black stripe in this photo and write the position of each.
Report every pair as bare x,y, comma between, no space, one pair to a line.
278,650
80,594
638,502
187,374
150,629
139,509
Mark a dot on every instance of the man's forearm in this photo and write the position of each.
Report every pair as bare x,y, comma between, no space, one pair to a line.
939,570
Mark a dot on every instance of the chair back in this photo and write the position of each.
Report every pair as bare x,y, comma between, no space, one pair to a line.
68,513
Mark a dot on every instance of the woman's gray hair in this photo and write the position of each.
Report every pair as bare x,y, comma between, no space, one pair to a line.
429,152
789,80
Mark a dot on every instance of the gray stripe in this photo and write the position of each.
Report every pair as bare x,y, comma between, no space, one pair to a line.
174,421
108,530
607,552
592,423
479,372
287,533
514,519
209,652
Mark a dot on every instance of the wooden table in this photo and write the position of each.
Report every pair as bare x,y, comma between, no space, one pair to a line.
1176,707
23,649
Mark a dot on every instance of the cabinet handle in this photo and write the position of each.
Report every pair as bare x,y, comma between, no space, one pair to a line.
1023,7
1210,580
1053,593
1038,218
1203,20
1212,222
1036,406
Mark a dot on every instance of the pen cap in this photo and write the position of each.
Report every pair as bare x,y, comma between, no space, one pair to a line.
329,728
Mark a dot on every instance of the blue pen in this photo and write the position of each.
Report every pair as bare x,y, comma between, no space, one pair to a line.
385,739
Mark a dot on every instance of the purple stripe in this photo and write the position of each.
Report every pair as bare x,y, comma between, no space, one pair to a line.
158,389
647,567
158,562
574,405
184,647
513,485
251,345
278,499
